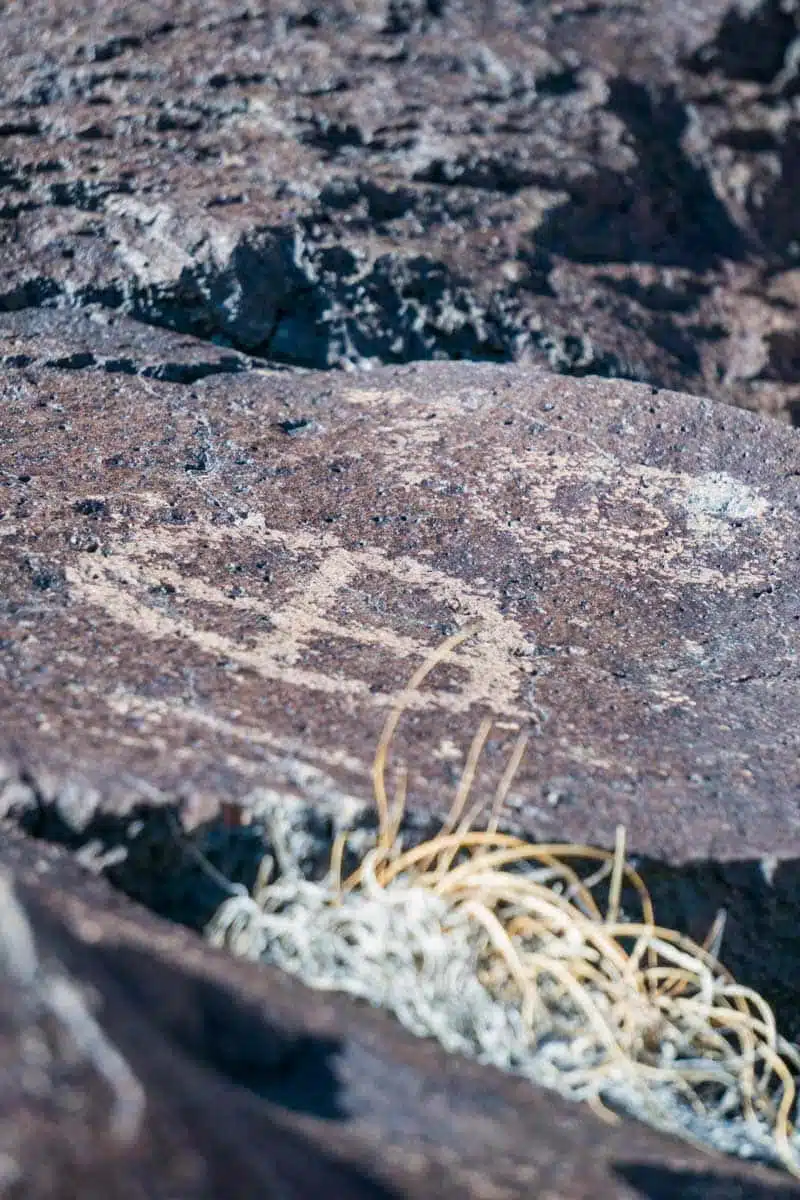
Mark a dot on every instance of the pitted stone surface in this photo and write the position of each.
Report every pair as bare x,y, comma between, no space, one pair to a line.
605,189
215,575
212,592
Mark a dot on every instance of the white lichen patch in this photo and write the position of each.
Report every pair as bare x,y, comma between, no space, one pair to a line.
716,502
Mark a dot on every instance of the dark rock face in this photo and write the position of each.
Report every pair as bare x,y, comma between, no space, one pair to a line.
211,593
109,343
599,189
239,1082
214,589
217,566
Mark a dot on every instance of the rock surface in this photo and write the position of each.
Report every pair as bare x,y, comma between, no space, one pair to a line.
597,188
212,592
218,589
253,1086
216,573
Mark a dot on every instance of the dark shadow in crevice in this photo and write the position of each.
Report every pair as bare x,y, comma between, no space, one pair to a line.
761,946
664,211
752,42
151,861
186,880
324,313
776,216
655,1182
166,372
658,297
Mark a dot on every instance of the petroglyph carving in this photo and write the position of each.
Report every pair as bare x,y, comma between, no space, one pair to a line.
323,602
587,505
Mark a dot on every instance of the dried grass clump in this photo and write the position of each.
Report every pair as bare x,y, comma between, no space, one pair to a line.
500,949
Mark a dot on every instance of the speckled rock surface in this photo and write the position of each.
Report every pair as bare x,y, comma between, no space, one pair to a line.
217,589
252,1085
597,188
218,564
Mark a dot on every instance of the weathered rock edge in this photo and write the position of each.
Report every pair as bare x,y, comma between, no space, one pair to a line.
254,1085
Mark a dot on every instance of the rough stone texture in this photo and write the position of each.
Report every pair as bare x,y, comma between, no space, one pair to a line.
599,188
255,1086
214,575
216,590
107,342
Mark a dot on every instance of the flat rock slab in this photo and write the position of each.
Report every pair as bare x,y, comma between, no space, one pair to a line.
240,1082
214,593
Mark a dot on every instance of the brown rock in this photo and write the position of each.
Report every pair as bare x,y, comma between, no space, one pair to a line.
105,341
252,1085
212,594
218,590
210,589
596,188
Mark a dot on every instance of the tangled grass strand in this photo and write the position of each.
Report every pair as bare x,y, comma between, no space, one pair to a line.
527,957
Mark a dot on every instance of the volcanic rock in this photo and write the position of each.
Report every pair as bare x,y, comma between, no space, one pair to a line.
216,589
213,593
178,1072
600,189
